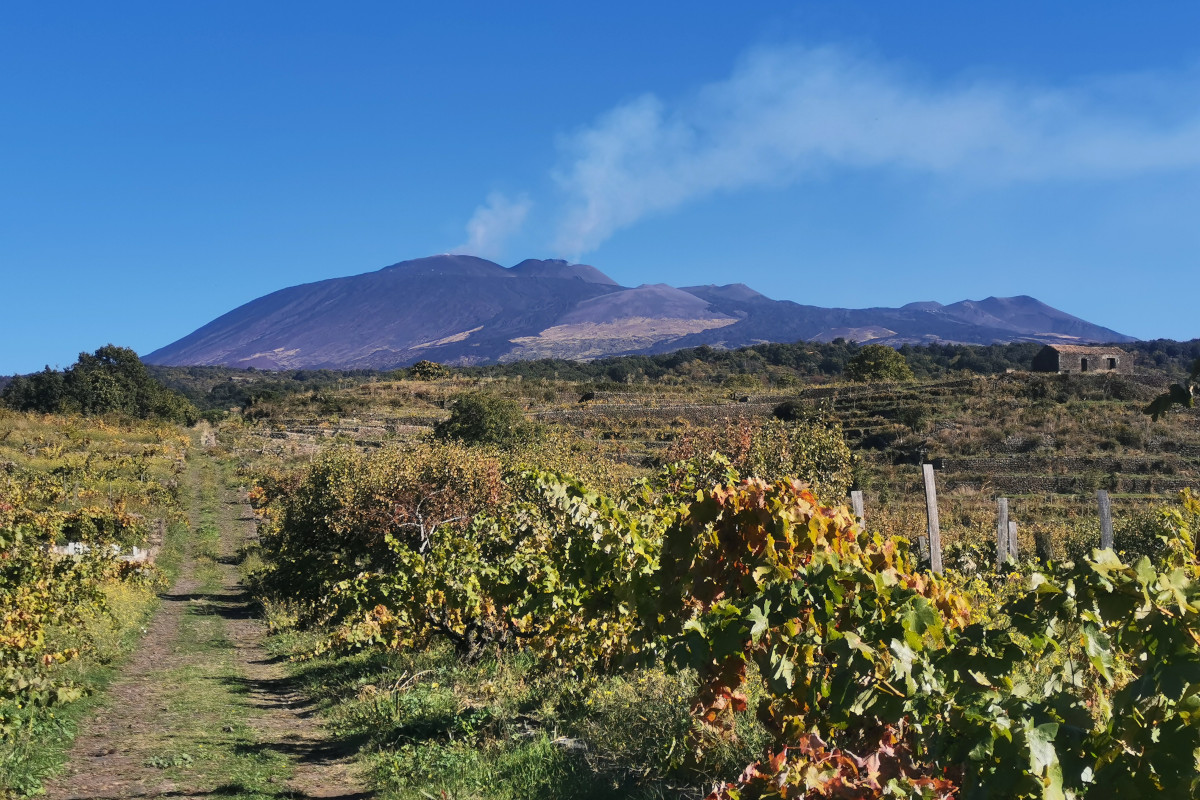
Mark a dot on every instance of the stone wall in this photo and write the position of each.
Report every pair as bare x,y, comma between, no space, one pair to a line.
1098,359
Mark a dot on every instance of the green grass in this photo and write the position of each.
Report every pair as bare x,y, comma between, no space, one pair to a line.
430,725
220,747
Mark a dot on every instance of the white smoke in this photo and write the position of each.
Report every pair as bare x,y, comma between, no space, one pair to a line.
787,113
493,223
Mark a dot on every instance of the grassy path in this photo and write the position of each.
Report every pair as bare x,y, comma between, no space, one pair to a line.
202,710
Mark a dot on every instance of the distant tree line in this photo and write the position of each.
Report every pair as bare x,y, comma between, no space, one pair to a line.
112,380
214,389
820,360
1174,358
779,363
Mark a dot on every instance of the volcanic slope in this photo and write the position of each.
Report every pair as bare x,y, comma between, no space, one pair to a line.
459,309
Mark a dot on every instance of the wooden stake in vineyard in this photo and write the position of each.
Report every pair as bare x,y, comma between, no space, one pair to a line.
856,502
1001,532
1106,528
931,514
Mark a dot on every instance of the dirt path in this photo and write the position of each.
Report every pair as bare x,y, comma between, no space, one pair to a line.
202,710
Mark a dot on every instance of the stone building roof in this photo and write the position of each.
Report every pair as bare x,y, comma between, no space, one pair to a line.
1083,349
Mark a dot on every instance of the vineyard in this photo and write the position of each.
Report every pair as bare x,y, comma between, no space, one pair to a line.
545,591
105,487
717,627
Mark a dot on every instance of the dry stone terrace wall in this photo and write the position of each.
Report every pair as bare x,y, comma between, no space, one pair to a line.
1190,451
1013,485
692,412
372,422
1066,465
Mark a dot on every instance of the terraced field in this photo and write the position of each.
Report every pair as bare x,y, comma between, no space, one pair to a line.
1047,442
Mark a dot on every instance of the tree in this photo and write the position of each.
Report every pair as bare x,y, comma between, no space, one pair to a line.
877,362
41,391
484,418
113,380
428,371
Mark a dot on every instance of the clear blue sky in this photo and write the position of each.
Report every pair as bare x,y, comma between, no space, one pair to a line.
162,163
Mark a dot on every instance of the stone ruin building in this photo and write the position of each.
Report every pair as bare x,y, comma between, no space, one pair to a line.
1082,358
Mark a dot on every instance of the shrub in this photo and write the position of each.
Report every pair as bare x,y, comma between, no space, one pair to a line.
484,418
743,380
791,410
428,371
877,362
356,528
812,451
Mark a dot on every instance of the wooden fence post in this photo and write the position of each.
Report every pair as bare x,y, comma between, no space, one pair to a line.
1001,532
1106,529
1012,541
856,500
931,513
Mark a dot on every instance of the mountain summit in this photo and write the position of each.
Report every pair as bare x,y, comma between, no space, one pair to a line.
459,309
